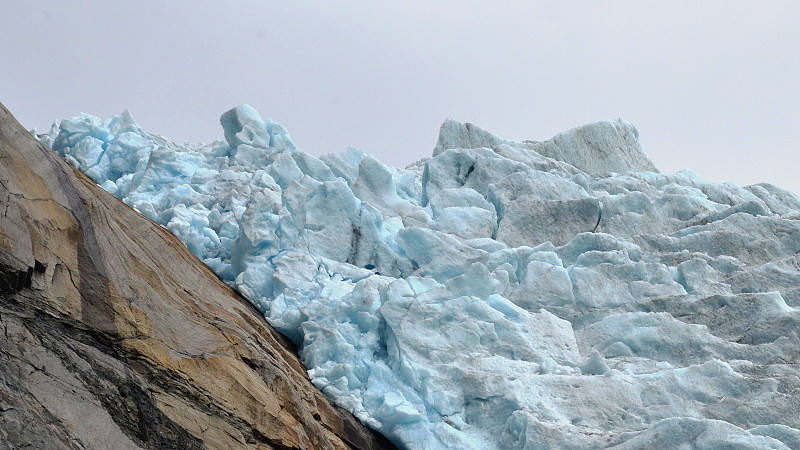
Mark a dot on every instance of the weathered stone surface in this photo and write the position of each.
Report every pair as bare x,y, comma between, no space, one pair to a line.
115,336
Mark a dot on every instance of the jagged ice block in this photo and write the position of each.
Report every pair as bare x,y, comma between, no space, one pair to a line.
501,294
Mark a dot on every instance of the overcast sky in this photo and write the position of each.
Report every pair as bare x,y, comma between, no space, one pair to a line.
714,87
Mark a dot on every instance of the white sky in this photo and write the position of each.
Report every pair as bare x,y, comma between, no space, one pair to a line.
712,86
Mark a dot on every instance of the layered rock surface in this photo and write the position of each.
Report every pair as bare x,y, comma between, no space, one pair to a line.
500,294
115,336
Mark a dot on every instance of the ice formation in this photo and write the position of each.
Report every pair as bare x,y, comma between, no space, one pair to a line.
500,294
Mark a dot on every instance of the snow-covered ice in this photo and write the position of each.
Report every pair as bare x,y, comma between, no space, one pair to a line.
501,294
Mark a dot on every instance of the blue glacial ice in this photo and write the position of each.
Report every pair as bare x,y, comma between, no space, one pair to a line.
500,294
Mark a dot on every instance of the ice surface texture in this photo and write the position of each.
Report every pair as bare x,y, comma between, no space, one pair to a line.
500,294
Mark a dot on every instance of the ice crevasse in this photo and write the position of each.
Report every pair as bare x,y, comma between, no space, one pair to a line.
500,294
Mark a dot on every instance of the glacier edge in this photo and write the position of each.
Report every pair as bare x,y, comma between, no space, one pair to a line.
500,294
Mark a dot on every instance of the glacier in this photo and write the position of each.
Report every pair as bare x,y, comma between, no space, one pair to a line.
499,294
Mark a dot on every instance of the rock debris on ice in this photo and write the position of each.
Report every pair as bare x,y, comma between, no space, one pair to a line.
500,294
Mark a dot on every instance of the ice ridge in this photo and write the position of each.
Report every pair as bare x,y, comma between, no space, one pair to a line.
500,294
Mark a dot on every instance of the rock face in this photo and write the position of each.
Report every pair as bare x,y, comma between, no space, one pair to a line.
115,336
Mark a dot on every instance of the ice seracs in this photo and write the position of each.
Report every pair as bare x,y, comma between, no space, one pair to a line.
501,294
